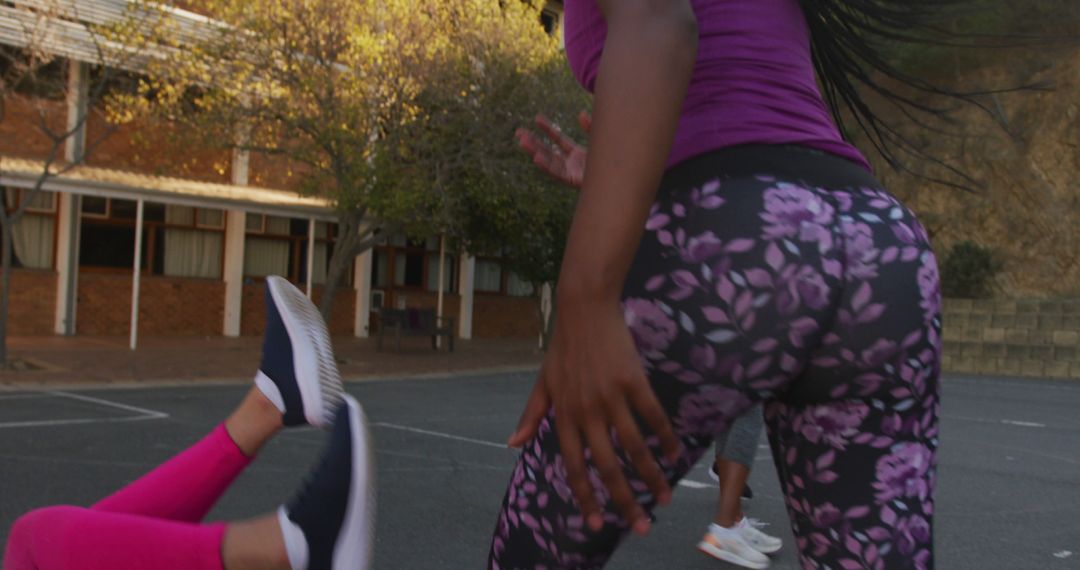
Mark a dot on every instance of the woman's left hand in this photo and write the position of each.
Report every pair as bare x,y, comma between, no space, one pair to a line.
593,378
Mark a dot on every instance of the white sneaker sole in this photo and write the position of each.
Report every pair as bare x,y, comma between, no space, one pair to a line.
313,354
352,550
765,549
727,556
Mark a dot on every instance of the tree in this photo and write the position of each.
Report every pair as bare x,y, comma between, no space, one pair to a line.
454,169
32,73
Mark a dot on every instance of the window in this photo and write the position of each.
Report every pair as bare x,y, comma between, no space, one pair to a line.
178,241
35,234
399,262
278,245
517,287
488,276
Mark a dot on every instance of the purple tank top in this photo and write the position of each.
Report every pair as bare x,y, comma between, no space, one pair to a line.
753,82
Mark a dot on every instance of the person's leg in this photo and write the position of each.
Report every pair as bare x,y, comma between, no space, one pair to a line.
328,524
734,462
723,313
186,487
855,439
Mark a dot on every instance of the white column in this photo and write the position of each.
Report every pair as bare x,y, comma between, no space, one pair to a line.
467,271
136,272
67,263
545,309
69,219
310,254
362,284
235,226
442,284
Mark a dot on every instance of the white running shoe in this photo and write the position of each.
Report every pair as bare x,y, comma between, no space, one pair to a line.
763,543
727,544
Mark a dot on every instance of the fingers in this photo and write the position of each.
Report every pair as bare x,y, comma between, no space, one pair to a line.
611,473
536,408
577,474
644,401
640,456
565,143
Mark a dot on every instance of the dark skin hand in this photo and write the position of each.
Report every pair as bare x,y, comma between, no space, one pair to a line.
591,375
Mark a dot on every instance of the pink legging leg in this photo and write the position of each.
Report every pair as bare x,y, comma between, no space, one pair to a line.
151,523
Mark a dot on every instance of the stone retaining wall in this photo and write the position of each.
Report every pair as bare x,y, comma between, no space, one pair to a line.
1017,337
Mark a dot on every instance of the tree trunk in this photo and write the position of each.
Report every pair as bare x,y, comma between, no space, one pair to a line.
345,250
547,321
5,288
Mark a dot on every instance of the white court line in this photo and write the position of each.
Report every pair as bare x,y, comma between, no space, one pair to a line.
989,421
442,435
143,413
689,483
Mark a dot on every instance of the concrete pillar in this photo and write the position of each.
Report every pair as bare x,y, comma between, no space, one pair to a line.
69,218
362,284
68,223
310,256
235,229
233,275
136,274
467,272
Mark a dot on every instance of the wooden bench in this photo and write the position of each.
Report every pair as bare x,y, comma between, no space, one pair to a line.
415,322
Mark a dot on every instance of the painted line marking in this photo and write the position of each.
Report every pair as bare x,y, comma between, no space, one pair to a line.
996,422
695,484
142,414
1063,554
441,434
1023,424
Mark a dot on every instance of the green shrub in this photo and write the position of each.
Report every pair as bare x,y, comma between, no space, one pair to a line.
968,271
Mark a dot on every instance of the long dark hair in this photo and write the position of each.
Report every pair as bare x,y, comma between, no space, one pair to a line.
847,39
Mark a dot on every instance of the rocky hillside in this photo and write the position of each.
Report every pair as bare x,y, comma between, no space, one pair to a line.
1026,155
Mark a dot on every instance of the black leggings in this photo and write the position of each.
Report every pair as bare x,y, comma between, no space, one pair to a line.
787,276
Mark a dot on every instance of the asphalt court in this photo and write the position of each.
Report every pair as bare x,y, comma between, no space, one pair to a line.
1009,492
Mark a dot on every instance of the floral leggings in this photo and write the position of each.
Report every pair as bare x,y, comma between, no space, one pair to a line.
787,276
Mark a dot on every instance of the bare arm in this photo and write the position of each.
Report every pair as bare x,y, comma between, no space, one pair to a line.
592,375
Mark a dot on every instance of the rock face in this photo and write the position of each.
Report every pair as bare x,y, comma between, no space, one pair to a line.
1025,152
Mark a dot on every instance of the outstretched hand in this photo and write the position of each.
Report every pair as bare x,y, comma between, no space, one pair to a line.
558,155
593,379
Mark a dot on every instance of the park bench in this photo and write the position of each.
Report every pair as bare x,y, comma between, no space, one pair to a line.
415,322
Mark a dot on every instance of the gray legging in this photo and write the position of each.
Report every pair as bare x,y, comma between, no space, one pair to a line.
739,444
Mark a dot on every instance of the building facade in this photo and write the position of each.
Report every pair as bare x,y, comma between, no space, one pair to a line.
145,237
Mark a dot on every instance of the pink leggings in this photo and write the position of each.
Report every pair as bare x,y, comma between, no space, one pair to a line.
152,523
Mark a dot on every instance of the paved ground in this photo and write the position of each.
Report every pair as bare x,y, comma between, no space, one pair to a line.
81,360
1009,495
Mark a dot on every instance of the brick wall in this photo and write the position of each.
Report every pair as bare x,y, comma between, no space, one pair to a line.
19,134
253,310
33,302
168,306
497,316
1038,338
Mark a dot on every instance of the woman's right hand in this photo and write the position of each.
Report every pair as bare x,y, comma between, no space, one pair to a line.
562,158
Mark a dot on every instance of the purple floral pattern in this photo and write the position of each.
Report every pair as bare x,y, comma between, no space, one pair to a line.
825,304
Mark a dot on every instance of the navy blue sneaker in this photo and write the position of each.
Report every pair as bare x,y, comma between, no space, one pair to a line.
298,372
329,525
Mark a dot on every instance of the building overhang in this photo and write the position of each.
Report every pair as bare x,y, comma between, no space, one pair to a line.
110,183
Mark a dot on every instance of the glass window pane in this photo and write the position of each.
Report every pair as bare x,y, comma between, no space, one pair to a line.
380,276
254,223
277,225
450,270
517,287
488,276
180,215
211,218
264,257
40,202
95,206
122,209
